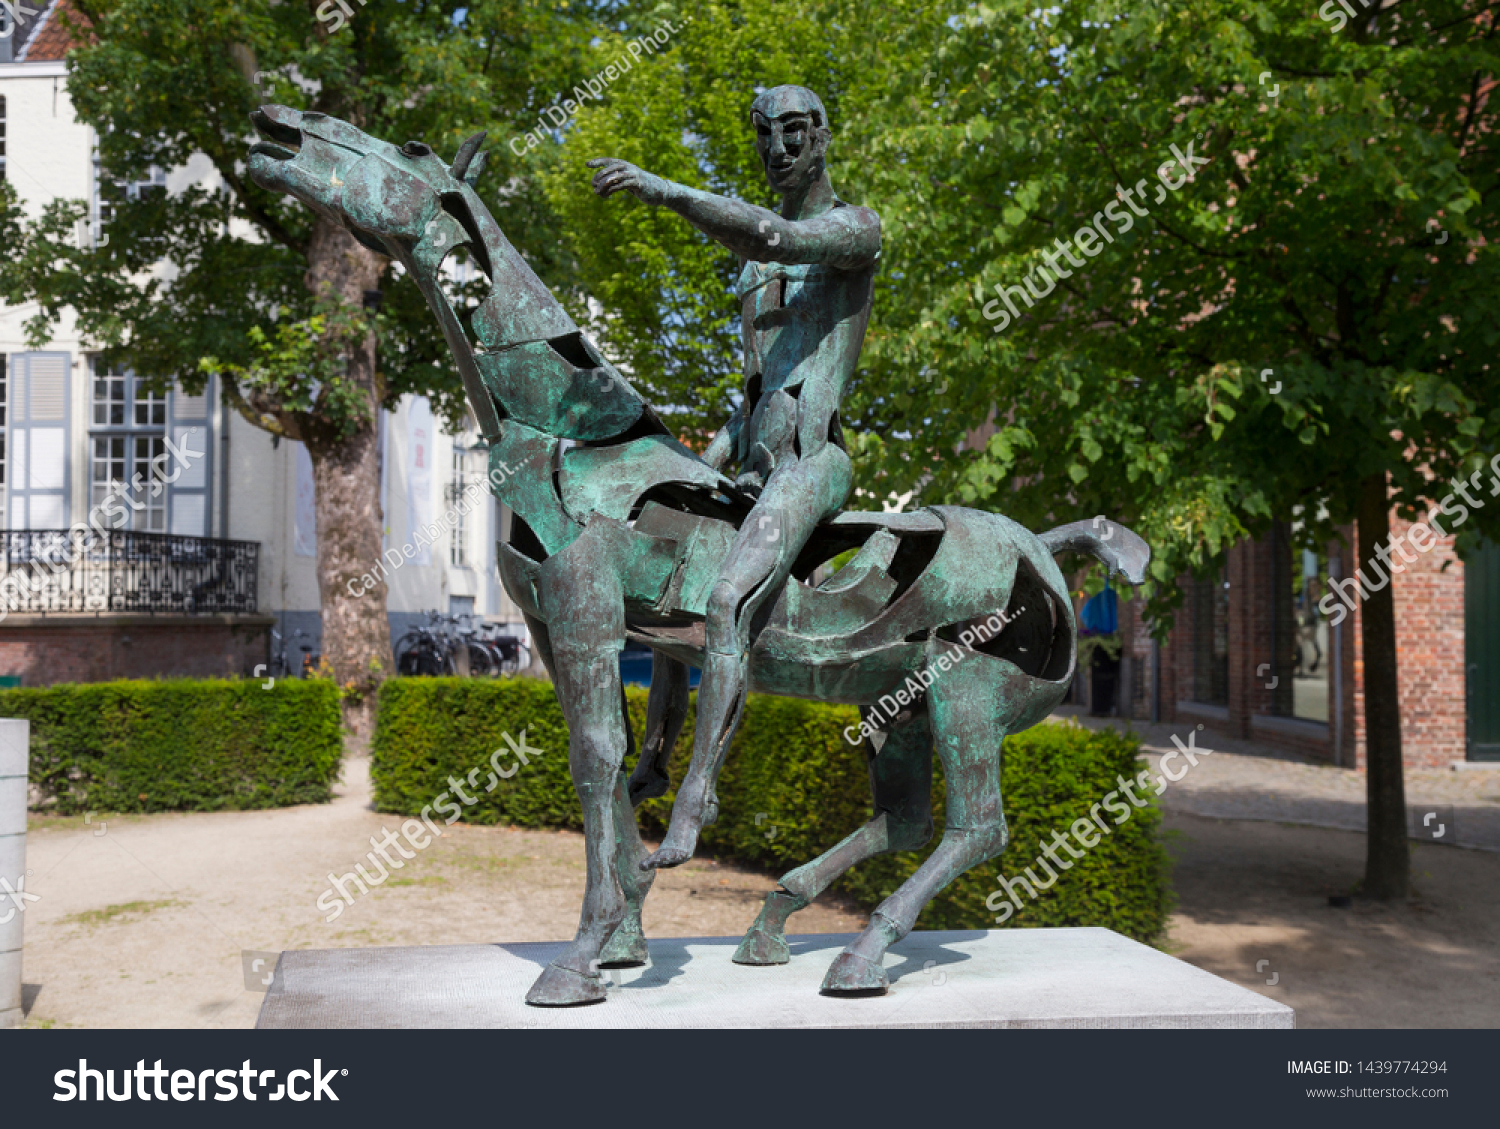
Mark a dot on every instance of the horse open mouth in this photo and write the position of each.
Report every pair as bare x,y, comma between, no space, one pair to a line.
283,142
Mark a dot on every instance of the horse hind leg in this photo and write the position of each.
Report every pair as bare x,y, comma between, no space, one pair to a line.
901,787
970,714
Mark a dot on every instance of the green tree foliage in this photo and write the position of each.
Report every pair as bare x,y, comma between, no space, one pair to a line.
1333,230
169,83
1304,246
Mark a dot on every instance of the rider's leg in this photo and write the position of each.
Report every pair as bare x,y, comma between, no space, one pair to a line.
798,496
666,710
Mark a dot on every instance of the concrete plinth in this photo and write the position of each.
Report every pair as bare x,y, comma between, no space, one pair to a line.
1062,978
15,745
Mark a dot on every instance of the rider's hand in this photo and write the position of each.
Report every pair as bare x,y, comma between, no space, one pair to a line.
615,175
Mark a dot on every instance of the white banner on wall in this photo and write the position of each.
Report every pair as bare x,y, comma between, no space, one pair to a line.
419,437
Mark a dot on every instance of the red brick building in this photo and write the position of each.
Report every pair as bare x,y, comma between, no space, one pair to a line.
1267,651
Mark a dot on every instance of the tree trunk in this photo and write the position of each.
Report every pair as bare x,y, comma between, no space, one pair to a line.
1387,855
346,479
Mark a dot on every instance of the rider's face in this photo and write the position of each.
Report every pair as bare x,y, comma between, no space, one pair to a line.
791,149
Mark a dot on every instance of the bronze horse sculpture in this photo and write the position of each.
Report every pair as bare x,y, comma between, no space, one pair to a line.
619,531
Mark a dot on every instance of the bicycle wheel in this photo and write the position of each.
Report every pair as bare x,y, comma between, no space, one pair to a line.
497,657
479,660
407,655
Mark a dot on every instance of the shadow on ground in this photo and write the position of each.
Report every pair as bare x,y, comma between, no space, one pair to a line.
1253,908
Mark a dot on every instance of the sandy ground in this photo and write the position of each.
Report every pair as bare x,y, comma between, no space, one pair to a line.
143,922
1253,892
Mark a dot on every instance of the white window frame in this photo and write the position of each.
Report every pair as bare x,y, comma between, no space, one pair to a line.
119,452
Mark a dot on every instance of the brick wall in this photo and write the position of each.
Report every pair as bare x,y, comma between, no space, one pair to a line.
48,649
1429,595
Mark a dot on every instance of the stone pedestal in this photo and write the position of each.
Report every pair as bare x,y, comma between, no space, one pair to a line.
15,743
1060,978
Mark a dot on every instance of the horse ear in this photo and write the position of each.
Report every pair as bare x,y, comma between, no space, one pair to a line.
476,169
466,151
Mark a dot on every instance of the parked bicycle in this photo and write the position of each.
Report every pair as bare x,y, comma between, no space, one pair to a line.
440,646
282,665
424,650
509,654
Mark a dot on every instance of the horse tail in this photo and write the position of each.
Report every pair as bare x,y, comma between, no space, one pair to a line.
1114,546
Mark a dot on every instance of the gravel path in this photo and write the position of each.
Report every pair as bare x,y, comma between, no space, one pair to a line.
1245,780
1253,908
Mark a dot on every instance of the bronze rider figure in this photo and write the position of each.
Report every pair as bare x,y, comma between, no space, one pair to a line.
805,285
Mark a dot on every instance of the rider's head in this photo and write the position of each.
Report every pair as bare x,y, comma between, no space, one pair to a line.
791,136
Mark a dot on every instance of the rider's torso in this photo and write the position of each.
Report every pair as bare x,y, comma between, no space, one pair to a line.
801,324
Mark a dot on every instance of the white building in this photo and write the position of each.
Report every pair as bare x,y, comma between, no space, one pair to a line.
174,598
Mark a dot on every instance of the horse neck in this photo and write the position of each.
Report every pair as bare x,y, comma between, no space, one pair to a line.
526,396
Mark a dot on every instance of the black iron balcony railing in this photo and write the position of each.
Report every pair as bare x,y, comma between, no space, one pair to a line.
120,570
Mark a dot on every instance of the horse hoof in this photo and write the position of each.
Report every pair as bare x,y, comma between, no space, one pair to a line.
565,987
851,974
760,947
665,859
624,949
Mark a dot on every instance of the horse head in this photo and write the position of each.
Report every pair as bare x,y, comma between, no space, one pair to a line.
406,203
409,204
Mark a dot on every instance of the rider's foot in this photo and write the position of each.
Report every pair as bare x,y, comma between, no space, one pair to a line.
678,846
665,859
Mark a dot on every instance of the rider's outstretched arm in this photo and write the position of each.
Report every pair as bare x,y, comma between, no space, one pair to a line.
846,238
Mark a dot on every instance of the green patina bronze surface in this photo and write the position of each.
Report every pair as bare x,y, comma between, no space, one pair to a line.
625,534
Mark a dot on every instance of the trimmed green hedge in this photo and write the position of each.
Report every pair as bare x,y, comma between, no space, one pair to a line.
791,767
181,744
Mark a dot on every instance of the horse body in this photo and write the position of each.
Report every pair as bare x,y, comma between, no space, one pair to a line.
961,617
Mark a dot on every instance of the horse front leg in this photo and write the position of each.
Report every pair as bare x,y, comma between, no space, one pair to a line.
626,947
586,662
